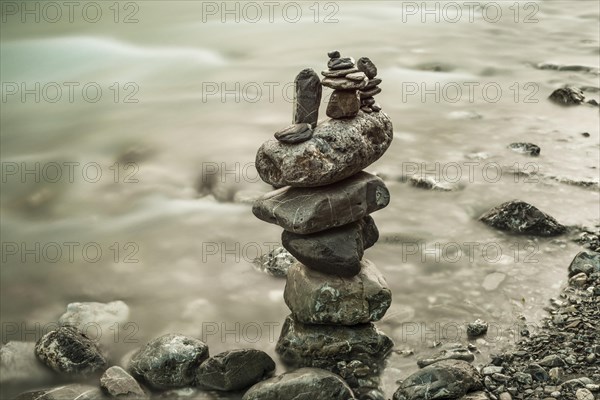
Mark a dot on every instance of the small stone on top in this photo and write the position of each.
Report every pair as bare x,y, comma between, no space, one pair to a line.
334,54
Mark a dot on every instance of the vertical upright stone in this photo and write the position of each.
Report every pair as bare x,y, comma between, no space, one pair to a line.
308,97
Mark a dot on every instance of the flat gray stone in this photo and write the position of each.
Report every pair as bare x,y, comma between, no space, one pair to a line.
302,384
338,149
317,298
310,210
169,361
340,63
118,383
372,83
308,97
234,370
519,217
345,83
357,76
66,350
325,346
343,104
337,251
448,379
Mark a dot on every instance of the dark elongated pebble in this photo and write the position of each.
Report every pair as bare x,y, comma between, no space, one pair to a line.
334,54
340,63
365,65
369,93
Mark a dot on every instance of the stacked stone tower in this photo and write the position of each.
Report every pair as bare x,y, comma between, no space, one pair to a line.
323,203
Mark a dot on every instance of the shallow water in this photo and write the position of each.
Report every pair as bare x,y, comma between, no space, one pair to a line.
183,262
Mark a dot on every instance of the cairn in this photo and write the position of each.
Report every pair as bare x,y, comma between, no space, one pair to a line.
324,205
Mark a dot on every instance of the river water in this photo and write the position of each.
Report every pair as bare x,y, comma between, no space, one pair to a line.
183,88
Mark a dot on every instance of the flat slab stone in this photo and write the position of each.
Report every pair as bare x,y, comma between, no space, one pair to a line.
338,149
118,383
317,298
345,83
310,210
337,251
302,384
339,73
325,346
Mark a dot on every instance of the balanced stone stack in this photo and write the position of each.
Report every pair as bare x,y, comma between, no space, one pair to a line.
323,203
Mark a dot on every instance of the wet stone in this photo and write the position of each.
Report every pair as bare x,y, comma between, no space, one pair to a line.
343,104
234,370
369,93
310,210
295,133
308,97
338,149
276,263
340,63
118,383
454,351
446,379
336,251
525,148
67,392
586,262
567,96
477,328
169,361
304,383
317,298
365,65
519,217
66,350
344,83
324,346
339,73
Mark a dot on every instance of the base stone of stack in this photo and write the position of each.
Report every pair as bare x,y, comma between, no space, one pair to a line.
338,149
317,298
327,346
336,251
310,210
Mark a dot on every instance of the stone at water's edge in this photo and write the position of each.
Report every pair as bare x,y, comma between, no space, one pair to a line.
310,210
169,361
118,383
234,370
308,97
587,262
316,298
519,217
448,379
453,351
336,251
326,346
568,96
66,350
338,149
302,384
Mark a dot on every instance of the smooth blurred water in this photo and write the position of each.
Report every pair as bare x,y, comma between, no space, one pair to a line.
193,270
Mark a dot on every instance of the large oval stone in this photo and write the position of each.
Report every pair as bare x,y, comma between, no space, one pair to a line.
338,149
317,298
310,210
